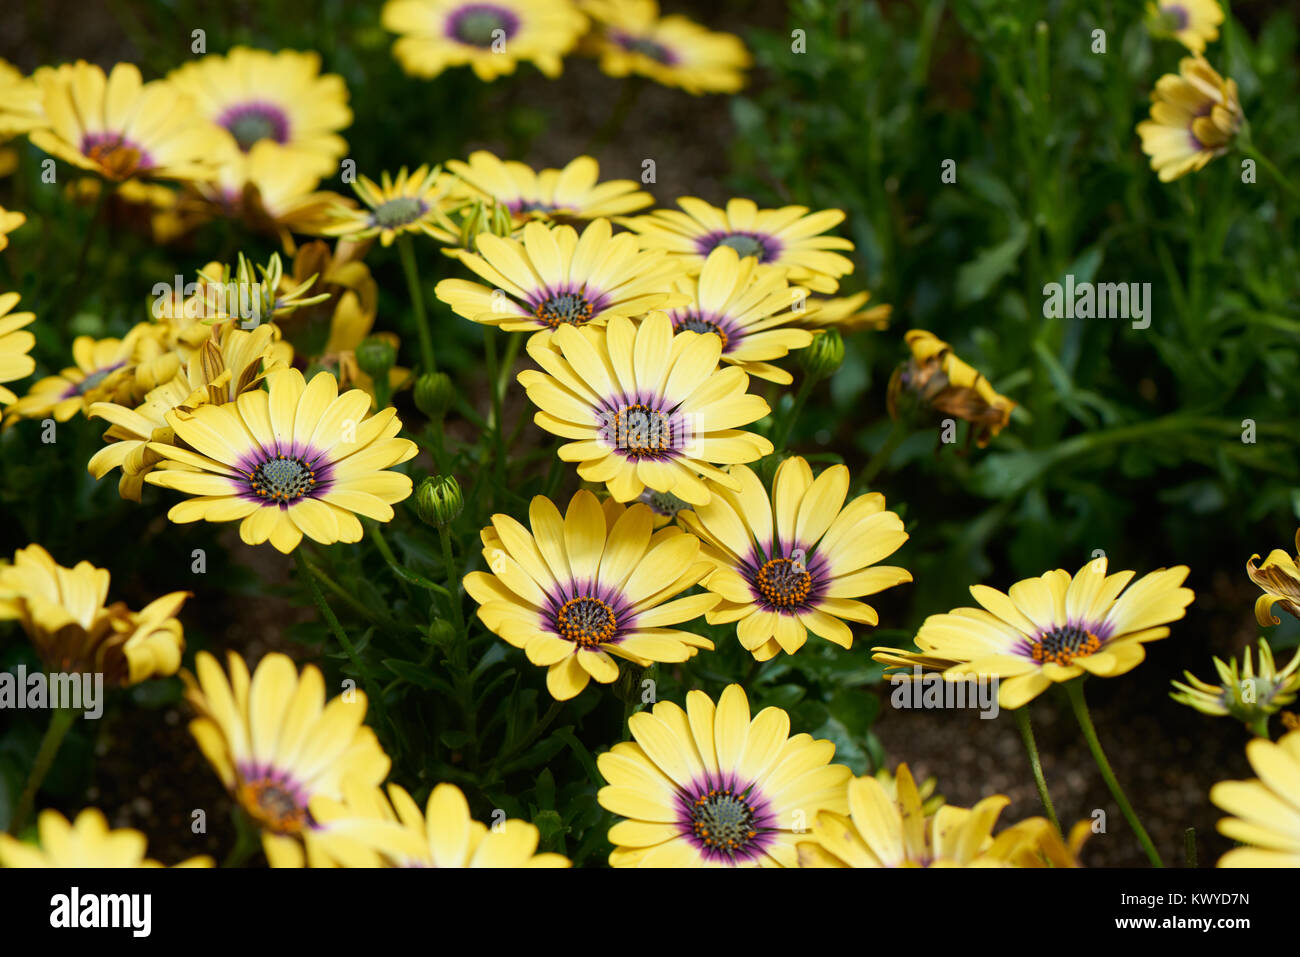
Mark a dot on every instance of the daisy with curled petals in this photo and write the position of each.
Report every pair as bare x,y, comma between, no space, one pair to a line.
1266,809
15,343
798,561
409,203
296,459
646,409
575,590
1053,628
789,237
749,307
574,192
708,787
277,744
9,221
85,842
120,127
1195,115
280,97
103,372
673,50
1279,576
64,614
490,36
398,834
554,277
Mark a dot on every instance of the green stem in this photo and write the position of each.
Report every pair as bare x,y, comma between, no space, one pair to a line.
788,421
407,251
247,839
1189,847
60,721
498,436
618,116
1251,151
551,714
1075,691
307,574
453,588
1027,735
878,461
343,595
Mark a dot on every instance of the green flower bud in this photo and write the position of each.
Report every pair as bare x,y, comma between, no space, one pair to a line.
441,633
434,394
376,356
438,500
474,221
824,355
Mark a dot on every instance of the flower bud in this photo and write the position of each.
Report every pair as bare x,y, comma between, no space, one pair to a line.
434,394
824,355
375,356
438,500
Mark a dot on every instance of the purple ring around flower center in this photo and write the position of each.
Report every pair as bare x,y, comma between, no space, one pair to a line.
255,120
482,24
283,476
588,613
644,426
116,152
727,329
726,820
786,579
766,247
645,46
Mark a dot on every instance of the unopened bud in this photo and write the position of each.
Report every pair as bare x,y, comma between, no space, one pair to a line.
438,500
823,355
375,356
434,394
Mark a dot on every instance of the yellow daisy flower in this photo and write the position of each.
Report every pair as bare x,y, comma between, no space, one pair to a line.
845,313
230,363
85,842
1279,576
798,561
281,97
277,744
555,277
15,343
1248,697
574,192
644,408
20,102
1266,809
749,306
395,831
9,221
1050,629
408,204
296,459
935,381
789,237
104,371
121,127
708,787
1195,114
595,583
673,50
490,36
1193,23
62,611
269,189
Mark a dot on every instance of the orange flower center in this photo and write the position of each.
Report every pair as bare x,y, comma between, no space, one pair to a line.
1062,645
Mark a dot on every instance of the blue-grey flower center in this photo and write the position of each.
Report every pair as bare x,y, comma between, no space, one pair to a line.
697,323
282,479
723,821
745,244
256,121
481,25
398,212
567,307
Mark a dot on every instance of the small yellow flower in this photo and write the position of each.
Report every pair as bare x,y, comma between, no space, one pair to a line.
710,787
297,459
672,50
20,102
9,221
368,829
277,744
1049,629
259,96
790,237
1195,114
408,204
1193,23
15,343
644,408
1266,809
572,193
85,842
574,591
1279,576
490,36
63,612
935,382
120,127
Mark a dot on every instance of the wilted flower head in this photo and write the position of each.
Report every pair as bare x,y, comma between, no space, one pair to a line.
934,380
